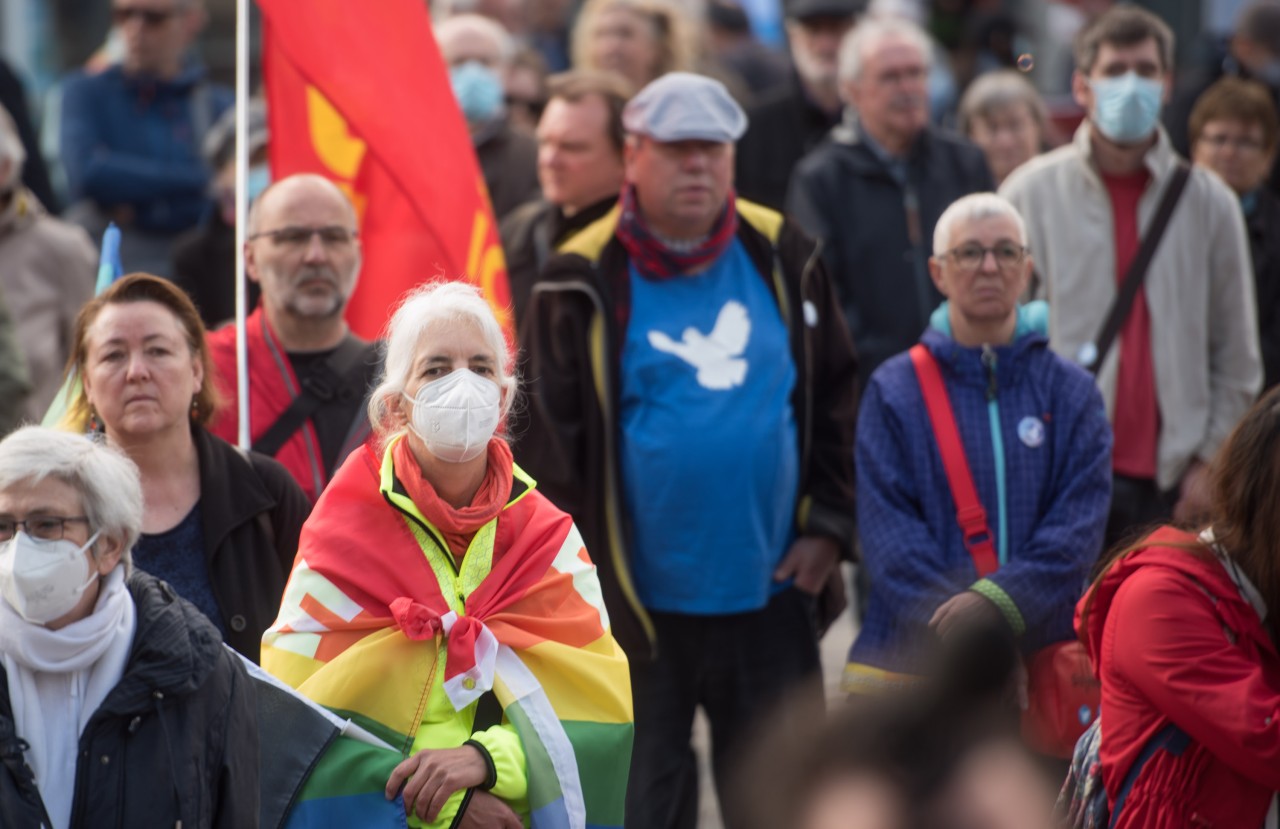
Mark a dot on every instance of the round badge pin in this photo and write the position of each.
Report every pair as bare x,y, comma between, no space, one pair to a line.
1031,431
1087,355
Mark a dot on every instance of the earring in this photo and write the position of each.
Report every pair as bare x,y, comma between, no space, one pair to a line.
94,425
195,409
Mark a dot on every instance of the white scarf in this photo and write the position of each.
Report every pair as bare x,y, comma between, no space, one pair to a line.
59,678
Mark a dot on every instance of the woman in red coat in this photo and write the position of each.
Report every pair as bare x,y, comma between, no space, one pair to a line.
1182,631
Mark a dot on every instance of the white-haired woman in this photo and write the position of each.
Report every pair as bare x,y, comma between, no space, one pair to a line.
119,706
431,571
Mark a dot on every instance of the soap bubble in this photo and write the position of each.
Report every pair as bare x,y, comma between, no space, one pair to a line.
1026,62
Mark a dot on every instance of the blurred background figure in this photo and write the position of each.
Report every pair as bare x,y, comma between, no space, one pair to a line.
479,53
1252,53
730,44
639,39
525,88
35,176
794,119
204,259
580,147
47,270
1003,114
131,134
221,526
1181,628
1234,131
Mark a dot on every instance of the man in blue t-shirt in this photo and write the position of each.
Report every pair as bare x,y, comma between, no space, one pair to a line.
692,400
131,135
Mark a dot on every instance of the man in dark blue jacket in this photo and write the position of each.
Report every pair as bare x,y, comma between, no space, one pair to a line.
131,135
1038,446
874,189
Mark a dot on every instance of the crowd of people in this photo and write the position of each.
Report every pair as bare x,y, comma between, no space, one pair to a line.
861,300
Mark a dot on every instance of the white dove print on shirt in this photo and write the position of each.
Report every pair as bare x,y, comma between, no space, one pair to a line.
716,356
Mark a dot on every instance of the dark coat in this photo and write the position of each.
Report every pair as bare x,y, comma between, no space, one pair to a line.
174,743
567,435
781,129
845,195
252,512
531,233
1263,225
509,163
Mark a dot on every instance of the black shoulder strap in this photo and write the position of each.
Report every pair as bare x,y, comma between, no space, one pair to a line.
1091,358
315,390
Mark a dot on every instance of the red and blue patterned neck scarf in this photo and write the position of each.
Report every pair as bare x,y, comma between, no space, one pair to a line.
653,258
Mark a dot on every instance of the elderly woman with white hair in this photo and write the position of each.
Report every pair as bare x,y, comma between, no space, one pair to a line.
1033,430
447,606
119,706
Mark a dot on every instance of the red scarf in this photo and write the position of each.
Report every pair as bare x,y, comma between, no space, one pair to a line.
653,259
458,525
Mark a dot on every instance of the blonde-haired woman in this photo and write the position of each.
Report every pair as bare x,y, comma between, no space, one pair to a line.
641,40
432,572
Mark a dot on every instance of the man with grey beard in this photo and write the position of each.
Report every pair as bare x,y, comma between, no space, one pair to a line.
790,122
309,376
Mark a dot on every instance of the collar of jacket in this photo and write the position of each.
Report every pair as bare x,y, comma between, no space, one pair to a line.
231,493
23,209
564,227
1159,160
174,648
964,363
862,158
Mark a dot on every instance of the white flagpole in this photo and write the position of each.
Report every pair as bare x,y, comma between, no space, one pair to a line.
242,215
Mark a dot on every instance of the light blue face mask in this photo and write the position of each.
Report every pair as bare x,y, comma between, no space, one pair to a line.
478,90
1126,108
257,180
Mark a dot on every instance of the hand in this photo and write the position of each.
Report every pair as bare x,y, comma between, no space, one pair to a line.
486,811
810,561
433,775
961,610
1195,495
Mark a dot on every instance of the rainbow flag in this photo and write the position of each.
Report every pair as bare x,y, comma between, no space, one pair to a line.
374,618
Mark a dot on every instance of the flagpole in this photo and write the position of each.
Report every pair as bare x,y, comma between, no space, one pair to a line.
242,215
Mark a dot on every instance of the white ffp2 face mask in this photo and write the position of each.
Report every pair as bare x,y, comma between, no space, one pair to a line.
456,415
43,580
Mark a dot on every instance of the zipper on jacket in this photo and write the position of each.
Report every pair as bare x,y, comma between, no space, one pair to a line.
997,445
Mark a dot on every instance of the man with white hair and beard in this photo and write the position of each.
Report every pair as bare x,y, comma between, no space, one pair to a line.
790,122
309,376
874,191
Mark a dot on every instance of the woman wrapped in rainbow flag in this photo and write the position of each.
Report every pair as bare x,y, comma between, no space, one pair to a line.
441,602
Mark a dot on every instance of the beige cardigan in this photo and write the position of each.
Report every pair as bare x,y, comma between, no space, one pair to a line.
1199,290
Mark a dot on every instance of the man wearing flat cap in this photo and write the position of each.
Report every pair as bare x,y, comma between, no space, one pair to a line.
691,404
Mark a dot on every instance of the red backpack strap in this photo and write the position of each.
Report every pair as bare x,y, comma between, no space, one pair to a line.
970,515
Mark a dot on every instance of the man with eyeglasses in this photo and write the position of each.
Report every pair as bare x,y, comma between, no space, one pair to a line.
874,189
309,376
131,135
1035,435
1184,365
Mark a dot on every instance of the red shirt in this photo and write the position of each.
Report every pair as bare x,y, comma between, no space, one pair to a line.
1136,424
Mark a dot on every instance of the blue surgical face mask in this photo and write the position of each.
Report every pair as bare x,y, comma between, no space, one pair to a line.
478,90
1126,108
257,180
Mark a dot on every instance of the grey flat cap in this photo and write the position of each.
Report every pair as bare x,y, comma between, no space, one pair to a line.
682,106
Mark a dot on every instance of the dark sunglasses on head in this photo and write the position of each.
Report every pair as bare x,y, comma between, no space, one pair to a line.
150,17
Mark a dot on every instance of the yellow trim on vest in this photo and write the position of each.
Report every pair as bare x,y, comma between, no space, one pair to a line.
871,681
766,220
589,241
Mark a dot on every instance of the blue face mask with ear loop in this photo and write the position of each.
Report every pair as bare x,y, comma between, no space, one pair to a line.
1126,108
478,90
257,180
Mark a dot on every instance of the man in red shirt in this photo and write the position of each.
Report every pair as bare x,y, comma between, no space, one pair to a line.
1185,365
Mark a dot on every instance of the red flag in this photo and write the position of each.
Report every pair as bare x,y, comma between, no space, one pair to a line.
359,93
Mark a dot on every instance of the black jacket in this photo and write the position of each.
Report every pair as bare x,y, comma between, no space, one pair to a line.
531,233
174,743
252,512
783,127
874,230
568,433
1263,225
509,163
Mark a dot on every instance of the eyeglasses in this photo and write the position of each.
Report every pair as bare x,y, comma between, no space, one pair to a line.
969,257
331,236
121,15
1220,141
43,527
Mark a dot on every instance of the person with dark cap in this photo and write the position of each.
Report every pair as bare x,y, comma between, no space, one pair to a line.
691,405
1253,53
791,121
734,48
204,259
